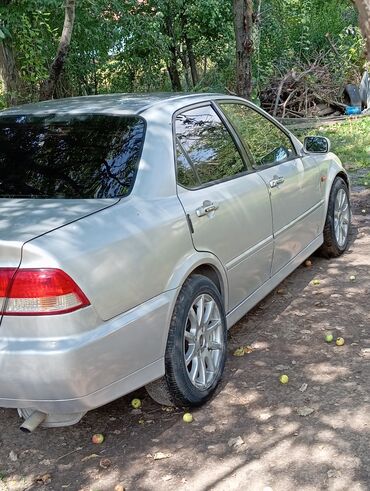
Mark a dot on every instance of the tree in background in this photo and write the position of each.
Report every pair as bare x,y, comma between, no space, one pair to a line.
243,24
242,46
47,88
363,7
8,66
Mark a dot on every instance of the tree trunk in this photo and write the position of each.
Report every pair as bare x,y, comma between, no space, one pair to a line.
172,64
174,73
191,57
363,7
243,24
9,73
185,63
47,88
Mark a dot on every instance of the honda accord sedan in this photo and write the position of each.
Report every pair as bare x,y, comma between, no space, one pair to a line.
135,230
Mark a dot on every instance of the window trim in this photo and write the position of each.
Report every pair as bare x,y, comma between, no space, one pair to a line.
233,135
272,120
188,159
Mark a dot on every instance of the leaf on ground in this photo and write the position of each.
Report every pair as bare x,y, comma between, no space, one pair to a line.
248,349
161,456
236,442
239,351
88,457
105,463
13,456
43,479
333,473
303,387
305,411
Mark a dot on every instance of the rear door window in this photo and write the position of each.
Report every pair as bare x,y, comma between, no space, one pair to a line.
205,150
82,156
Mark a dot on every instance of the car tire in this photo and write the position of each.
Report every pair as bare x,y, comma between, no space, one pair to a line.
196,346
338,221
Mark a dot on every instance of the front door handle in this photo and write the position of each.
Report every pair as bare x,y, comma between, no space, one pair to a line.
274,183
206,208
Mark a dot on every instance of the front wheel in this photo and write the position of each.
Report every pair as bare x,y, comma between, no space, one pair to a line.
196,347
338,220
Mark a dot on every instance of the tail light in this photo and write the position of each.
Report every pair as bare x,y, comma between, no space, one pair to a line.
39,292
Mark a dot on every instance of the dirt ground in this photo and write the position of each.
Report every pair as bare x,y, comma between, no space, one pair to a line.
253,434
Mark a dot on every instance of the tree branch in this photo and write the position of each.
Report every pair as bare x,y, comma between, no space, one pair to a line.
48,86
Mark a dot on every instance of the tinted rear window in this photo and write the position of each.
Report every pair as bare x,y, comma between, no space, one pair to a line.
84,156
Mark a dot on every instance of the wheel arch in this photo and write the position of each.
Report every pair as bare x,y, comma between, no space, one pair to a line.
333,174
205,264
209,271
343,176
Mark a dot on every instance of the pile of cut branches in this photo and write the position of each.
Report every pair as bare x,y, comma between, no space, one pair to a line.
304,92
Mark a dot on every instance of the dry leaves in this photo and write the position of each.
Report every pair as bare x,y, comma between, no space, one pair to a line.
243,350
161,456
305,411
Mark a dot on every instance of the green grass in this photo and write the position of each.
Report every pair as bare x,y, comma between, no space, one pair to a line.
349,140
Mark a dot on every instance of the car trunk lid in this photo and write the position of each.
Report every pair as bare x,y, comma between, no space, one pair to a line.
22,220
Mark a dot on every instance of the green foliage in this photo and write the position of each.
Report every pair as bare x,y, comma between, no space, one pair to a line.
296,32
124,46
349,140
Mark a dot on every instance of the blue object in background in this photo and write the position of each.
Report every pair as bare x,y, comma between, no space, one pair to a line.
352,110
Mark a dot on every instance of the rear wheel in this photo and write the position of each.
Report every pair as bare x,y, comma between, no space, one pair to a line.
338,219
196,347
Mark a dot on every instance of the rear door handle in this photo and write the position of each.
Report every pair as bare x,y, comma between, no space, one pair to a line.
274,183
207,207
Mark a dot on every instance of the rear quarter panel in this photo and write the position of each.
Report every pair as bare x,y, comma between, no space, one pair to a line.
121,256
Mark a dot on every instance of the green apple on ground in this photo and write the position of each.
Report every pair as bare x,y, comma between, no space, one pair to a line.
136,403
188,418
284,379
329,337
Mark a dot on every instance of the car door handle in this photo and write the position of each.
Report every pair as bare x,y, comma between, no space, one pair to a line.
206,208
276,181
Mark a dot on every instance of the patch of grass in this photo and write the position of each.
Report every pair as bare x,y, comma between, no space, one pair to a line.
349,140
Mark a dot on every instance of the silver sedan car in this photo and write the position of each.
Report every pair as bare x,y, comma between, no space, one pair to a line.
135,230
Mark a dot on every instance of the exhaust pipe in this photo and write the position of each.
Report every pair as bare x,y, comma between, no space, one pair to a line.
33,421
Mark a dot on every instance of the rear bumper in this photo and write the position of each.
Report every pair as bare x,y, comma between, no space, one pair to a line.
76,362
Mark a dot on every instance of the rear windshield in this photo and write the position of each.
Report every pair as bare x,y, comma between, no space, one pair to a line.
83,156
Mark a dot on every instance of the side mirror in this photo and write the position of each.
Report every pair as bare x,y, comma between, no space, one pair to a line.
316,144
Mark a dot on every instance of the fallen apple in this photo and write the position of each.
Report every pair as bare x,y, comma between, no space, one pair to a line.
136,403
97,438
316,282
188,418
329,337
352,277
284,379
308,263
339,342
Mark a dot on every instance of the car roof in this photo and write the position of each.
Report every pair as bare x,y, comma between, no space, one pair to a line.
113,104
